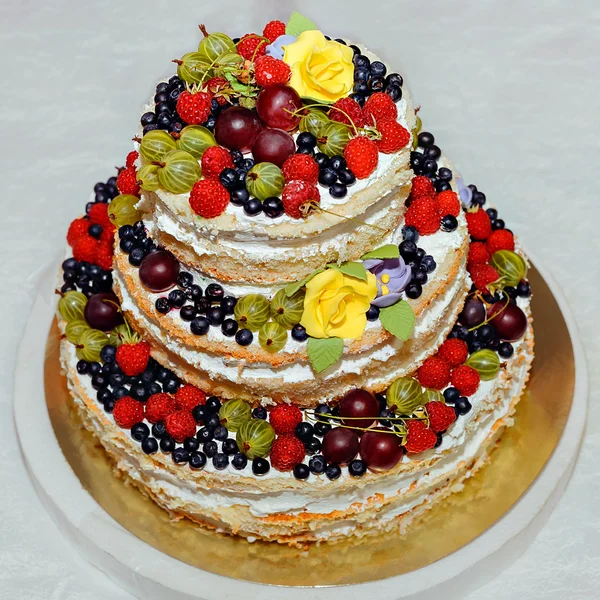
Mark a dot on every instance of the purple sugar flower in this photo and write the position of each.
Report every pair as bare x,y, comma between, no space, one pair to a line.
465,193
392,275
276,48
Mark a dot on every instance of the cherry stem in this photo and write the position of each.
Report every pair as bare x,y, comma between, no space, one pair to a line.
316,206
488,319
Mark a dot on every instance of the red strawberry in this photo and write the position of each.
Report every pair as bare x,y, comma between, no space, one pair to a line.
98,213
478,254
434,373
298,198
187,397
127,412
419,437
362,156
273,29
441,416
127,182
133,358
301,167
422,186
500,239
209,198
482,275
478,223
180,425
424,215
104,255
159,407
287,451
194,108
215,86
214,160
465,379
378,107
448,203
131,158
269,70
394,137
85,248
78,228
454,351
285,417
348,111
251,46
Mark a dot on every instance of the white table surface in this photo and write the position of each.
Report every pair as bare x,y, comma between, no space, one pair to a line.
509,88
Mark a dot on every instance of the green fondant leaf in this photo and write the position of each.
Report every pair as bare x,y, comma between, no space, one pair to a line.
292,288
387,251
298,23
352,269
398,319
323,353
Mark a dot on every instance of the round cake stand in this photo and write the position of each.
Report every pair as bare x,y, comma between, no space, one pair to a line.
148,573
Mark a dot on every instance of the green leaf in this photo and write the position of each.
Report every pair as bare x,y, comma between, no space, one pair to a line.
298,23
398,319
292,288
323,353
352,269
387,251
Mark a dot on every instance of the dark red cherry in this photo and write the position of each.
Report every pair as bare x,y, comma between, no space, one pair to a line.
510,322
340,445
274,146
379,450
158,271
359,403
473,313
278,106
102,311
236,128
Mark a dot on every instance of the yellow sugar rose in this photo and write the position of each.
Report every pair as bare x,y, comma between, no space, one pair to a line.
335,305
321,69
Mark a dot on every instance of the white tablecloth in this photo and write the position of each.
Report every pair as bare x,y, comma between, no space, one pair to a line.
510,89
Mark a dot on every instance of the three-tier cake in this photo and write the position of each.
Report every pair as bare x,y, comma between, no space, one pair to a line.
287,318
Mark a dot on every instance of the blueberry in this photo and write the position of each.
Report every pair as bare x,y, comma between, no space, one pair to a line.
215,316
429,166
312,446
338,162
170,386
301,471
322,160
244,337
317,464
372,313
260,466
360,60
220,461
205,434
462,406
139,392
199,326
99,381
304,431
194,292
299,333
359,99
322,409
202,305
191,444
425,139
252,207
416,161
177,298
523,289
487,332
498,224
338,190
211,448
197,460
239,461
237,157
441,186
333,472
212,422
221,433
409,233
126,245
413,290
506,350
408,250
159,429
306,140
376,84
162,305
259,413
327,176
451,395
362,88
419,276
429,263
384,415
492,213
120,392
394,79
109,405
479,198
228,178
149,445
355,49
394,92
136,257
449,223
239,196
167,443
357,468
180,456
213,404
346,177
307,151
230,447
140,431
321,428
432,151
107,354
215,292
273,207
378,69
229,327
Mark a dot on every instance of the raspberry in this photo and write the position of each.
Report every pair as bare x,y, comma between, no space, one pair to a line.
301,167
251,46
424,215
214,160
85,248
98,213
180,425
454,351
127,412
104,255
127,182
298,197
269,70
378,107
215,87
187,397
482,275
208,198
448,203
434,373
349,112
393,136
77,229
478,254
133,358
419,437
285,417
421,186
159,407
361,155
479,225
194,108
465,379
441,416
108,234
131,158
501,239
273,29
287,451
